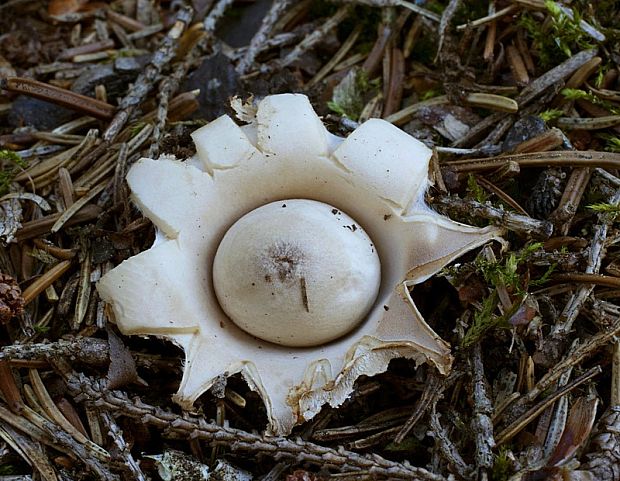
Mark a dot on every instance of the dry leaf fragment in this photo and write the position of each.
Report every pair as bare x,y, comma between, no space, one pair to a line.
62,7
11,300
577,431
10,218
122,369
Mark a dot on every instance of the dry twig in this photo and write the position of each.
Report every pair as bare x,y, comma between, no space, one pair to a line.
95,393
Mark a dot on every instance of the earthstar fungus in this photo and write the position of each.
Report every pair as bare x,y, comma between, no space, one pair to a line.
309,243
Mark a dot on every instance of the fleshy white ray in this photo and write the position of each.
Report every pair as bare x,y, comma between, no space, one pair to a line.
148,293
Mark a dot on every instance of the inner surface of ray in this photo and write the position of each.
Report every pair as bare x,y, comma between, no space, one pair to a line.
154,291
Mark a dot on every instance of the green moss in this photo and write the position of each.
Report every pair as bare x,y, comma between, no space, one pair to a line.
350,94
12,157
550,115
578,94
136,128
612,142
507,272
8,470
484,320
605,207
11,164
475,191
559,37
431,94
501,273
600,75
503,466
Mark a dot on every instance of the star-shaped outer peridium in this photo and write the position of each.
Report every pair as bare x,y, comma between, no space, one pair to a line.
377,175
